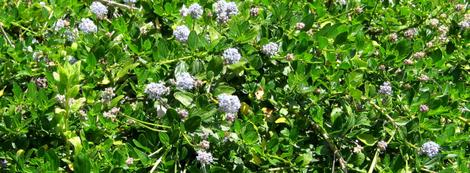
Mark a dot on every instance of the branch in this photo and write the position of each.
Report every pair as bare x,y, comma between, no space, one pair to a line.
6,36
173,60
332,147
374,162
112,3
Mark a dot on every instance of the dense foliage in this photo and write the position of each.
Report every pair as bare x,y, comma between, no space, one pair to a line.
234,86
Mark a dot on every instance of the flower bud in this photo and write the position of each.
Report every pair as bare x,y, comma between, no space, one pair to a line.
299,26
382,145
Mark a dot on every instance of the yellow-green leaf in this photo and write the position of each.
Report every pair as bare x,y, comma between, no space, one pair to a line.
281,120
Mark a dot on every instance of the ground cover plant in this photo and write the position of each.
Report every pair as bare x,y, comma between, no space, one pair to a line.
234,86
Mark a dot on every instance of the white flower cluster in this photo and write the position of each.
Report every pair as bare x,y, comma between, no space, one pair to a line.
270,49
411,33
41,82
229,103
184,81
107,95
231,55
419,55
161,110
254,11
195,10
443,29
130,161
382,145
342,2
460,7
144,29
183,113
430,149
423,108
465,23
156,90
61,99
60,24
87,26
225,10
130,1
299,25
204,144
99,9
71,35
423,78
393,37
230,117
111,114
181,33
205,158
386,88
434,22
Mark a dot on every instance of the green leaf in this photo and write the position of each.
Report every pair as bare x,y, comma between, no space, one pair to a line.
322,42
2,91
81,163
193,41
216,64
335,113
162,50
304,159
367,139
355,79
192,123
76,142
147,45
224,89
116,100
404,48
197,66
281,120
317,115
250,134
358,158
184,98
52,161
139,145
341,38
124,70
355,93
359,62
181,67
164,138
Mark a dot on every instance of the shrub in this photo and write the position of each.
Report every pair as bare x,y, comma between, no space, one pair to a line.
234,86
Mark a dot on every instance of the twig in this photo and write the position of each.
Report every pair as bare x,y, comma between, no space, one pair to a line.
187,140
280,158
377,152
156,164
6,36
153,129
334,163
386,115
427,170
276,169
24,28
374,162
147,123
112,3
156,152
464,120
173,60
332,146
